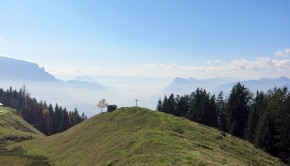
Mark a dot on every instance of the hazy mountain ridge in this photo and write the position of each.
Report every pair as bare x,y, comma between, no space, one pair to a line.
18,70
44,86
262,84
14,70
215,85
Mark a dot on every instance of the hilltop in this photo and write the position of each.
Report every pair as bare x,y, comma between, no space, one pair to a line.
138,136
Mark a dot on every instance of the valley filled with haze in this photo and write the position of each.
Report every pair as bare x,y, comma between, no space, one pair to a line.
84,92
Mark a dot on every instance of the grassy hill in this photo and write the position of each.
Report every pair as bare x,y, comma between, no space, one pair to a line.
14,129
137,136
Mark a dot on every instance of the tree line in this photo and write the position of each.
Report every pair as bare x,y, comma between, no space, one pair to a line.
263,119
46,118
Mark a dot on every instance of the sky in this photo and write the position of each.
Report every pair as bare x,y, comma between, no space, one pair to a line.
149,38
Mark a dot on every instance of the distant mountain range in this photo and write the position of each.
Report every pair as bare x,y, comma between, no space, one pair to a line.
84,92
262,84
215,85
185,86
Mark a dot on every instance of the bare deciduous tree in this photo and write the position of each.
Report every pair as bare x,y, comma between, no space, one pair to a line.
102,104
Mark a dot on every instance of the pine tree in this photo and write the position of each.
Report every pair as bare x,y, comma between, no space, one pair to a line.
210,116
265,134
273,132
159,105
221,112
183,105
50,118
202,108
257,109
237,109
172,105
165,105
198,102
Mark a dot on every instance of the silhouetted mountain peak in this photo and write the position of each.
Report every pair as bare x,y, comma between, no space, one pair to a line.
18,70
179,80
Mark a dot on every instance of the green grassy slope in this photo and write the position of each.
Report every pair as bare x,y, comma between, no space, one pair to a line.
137,136
14,129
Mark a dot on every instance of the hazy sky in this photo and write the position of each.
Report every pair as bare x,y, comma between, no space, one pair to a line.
149,38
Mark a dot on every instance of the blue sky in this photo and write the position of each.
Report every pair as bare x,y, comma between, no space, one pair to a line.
149,38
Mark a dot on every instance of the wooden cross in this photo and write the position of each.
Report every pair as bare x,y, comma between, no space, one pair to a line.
136,102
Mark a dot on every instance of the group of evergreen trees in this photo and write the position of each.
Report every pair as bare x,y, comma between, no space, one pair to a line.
46,118
263,119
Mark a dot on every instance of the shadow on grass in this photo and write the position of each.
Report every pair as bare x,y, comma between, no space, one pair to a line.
35,160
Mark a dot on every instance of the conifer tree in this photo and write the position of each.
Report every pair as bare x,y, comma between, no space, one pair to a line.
237,109
165,105
221,112
210,116
159,105
183,105
257,109
273,131
172,105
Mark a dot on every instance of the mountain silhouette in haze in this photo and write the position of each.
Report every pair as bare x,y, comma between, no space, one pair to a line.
13,70
44,86
262,84
183,86
186,86
18,70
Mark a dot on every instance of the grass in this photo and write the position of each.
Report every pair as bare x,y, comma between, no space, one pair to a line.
14,129
138,136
